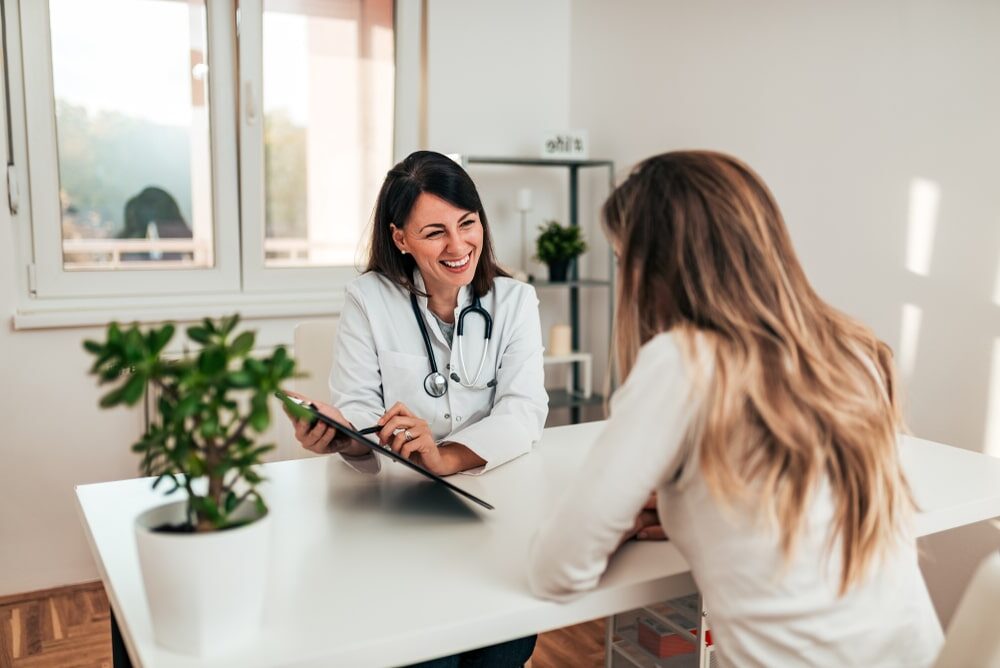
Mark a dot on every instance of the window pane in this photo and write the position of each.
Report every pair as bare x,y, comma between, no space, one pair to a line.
130,79
328,105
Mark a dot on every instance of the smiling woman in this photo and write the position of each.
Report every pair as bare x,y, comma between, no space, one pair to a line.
429,213
432,299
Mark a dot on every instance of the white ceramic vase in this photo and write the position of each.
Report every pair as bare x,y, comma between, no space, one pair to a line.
205,590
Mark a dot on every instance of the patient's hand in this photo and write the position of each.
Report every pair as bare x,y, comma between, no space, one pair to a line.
647,523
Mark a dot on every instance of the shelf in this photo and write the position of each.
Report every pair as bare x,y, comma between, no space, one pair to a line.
535,162
576,283
563,399
627,653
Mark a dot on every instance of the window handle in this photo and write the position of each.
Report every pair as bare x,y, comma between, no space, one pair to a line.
251,106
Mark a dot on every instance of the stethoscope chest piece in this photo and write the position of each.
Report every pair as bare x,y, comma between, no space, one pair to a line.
435,384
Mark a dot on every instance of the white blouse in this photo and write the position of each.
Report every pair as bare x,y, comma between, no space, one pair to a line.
379,358
762,611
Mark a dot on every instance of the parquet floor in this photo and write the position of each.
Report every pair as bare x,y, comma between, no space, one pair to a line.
70,627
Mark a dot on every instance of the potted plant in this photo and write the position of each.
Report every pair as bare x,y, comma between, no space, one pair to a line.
558,246
203,558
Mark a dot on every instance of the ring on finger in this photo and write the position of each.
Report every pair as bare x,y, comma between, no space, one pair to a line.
408,436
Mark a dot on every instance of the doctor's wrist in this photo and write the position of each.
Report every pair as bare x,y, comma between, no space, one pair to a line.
458,458
351,450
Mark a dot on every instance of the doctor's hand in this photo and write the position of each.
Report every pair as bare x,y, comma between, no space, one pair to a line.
321,438
411,437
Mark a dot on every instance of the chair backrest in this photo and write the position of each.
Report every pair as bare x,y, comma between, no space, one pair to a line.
973,638
313,342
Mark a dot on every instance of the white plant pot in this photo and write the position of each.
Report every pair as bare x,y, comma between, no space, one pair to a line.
205,590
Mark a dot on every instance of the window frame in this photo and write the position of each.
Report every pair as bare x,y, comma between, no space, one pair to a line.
49,296
52,280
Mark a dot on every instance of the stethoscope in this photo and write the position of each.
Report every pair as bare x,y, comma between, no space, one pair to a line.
435,384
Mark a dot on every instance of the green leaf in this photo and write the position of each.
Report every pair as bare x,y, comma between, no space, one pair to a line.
260,418
112,398
134,345
161,337
231,499
280,354
261,506
134,388
211,361
242,344
205,507
228,324
188,405
199,334
239,379
93,347
255,366
114,334
210,427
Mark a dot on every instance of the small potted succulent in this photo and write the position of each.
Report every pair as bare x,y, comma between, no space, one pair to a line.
558,246
204,558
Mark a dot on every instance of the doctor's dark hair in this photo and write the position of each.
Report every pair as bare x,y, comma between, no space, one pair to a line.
439,175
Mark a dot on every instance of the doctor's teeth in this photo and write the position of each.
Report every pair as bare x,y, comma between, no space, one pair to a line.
457,263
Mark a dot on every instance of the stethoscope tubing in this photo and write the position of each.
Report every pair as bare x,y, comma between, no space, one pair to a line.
435,384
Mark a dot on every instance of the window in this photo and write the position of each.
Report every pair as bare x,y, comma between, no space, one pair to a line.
181,151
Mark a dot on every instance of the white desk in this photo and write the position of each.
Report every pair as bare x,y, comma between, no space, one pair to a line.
372,571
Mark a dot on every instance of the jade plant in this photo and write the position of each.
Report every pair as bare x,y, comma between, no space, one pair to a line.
210,406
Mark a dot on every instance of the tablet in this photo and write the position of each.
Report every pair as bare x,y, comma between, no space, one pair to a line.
384,451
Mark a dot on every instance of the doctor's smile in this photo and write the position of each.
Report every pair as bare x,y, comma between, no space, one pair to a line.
459,265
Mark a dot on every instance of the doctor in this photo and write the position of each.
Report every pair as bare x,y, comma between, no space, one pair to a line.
436,344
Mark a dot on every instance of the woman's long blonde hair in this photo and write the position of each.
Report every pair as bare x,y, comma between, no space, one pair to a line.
799,390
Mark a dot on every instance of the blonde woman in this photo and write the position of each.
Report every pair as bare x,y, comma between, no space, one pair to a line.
764,420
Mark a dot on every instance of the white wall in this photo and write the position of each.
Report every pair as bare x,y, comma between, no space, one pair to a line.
840,107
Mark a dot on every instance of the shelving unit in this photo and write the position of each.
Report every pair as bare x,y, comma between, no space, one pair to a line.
574,400
685,620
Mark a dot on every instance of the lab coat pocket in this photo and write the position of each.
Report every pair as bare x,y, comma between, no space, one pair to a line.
403,380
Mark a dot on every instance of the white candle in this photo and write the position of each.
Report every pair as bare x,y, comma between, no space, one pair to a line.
559,340
524,199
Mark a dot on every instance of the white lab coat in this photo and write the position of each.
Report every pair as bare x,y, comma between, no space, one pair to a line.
379,358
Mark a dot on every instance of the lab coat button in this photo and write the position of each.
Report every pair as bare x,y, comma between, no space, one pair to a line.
458,418
447,416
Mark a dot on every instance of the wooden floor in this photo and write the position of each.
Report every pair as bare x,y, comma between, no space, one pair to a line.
70,627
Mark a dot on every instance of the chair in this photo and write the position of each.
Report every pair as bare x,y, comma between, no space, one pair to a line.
313,350
973,637
312,343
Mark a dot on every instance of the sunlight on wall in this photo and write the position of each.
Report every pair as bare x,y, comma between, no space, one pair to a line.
909,336
991,444
925,195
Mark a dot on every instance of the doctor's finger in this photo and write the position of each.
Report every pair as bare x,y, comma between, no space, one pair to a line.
398,408
397,423
319,437
404,437
421,445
